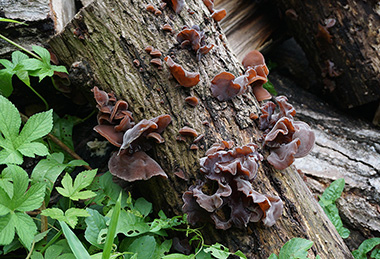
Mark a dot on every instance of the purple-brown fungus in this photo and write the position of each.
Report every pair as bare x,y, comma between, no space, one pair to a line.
117,126
287,139
225,86
183,77
194,39
226,196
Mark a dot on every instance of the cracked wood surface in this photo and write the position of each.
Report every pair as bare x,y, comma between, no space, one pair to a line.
114,34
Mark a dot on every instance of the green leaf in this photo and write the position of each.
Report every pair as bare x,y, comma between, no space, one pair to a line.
221,252
70,216
63,130
33,198
43,53
11,20
366,247
112,229
13,246
178,256
32,149
273,256
36,127
5,182
60,250
10,120
131,225
143,246
18,57
32,65
75,245
73,191
334,191
161,249
95,223
327,202
295,248
23,76
25,228
7,229
6,87
143,206
14,144
59,69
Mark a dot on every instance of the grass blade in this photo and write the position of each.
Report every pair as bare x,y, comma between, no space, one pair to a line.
112,229
76,246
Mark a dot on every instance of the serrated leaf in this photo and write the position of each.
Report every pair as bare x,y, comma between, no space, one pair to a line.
10,120
295,248
5,182
43,53
10,156
73,191
33,148
334,191
7,229
95,223
365,247
72,215
36,127
33,198
25,228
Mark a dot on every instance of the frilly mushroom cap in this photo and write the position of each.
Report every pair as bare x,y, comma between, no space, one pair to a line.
261,93
288,139
183,77
190,37
224,86
108,131
306,136
231,172
162,122
100,96
135,132
138,166
281,133
283,156
252,59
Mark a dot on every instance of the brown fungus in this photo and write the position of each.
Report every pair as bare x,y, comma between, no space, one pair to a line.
183,77
286,138
225,86
167,27
137,166
192,101
188,132
229,174
217,15
194,38
177,5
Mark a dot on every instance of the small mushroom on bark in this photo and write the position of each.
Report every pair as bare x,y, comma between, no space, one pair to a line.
183,77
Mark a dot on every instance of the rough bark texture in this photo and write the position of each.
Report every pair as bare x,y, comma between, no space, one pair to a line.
114,34
354,47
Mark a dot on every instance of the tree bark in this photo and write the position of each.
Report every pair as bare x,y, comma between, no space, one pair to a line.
114,33
345,56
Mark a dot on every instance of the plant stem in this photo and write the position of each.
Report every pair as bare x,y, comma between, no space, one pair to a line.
20,47
34,91
51,241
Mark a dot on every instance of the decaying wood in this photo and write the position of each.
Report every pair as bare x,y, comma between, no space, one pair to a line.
342,43
249,25
113,34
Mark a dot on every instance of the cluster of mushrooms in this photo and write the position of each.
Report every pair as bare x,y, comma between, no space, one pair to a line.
225,196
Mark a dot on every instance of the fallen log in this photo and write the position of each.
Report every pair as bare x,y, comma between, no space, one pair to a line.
106,37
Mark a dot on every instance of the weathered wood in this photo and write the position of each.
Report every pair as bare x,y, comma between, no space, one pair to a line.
114,34
352,45
249,25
